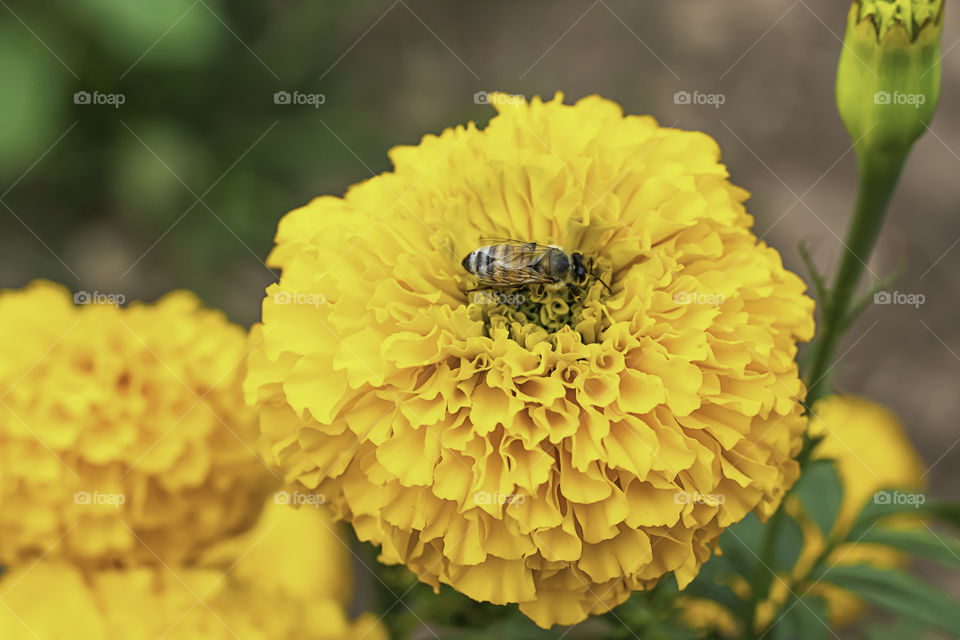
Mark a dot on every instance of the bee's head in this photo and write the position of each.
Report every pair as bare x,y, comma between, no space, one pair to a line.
579,269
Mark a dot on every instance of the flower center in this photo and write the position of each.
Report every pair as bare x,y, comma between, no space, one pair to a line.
537,311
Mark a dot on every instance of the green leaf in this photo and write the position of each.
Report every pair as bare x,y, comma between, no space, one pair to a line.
745,543
651,615
804,618
821,493
867,298
896,502
899,630
741,544
940,547
708,585
819,284
161,33
946,512
899,592
35,97
787,545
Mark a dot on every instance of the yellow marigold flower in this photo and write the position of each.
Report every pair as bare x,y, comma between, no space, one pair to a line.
557,449
54,600
123,433
872,453
297,553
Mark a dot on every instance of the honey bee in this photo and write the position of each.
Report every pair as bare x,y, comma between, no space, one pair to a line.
513,263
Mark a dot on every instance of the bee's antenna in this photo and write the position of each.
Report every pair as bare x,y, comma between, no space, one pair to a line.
596,277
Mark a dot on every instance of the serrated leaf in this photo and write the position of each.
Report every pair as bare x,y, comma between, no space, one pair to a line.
940,547
899,592
821,493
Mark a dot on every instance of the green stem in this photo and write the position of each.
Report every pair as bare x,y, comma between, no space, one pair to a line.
877,180
762,574
796,584
878,174
828,549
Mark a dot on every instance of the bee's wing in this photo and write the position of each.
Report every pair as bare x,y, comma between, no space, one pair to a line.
526,275
516,277
493,240
524,255
517,266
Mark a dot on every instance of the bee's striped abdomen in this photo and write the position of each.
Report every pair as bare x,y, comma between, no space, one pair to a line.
509,264
479,262
486,265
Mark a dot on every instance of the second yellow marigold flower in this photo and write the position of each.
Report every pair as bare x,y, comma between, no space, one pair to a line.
123,433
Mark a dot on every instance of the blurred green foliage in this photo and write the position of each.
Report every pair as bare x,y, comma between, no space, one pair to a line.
198,119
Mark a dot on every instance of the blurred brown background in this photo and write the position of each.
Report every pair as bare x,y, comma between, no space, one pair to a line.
182,184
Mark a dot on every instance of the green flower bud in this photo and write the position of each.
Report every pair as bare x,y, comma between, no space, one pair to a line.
888,78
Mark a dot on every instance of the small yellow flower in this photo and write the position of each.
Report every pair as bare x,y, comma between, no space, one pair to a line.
55,600
564,448
299,553
123,433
